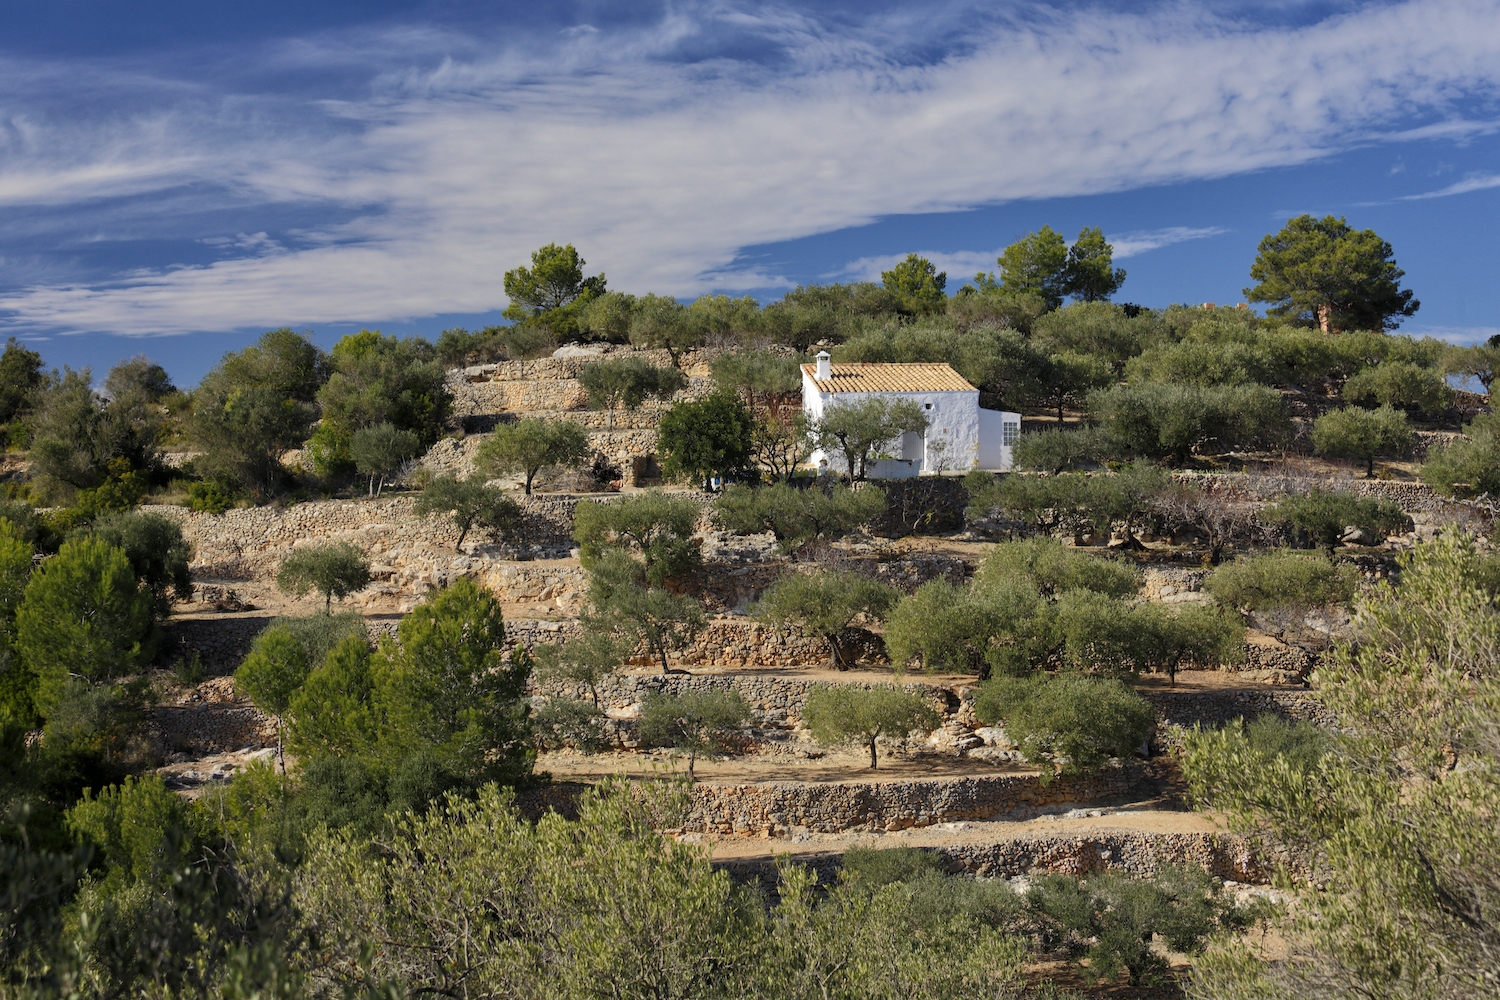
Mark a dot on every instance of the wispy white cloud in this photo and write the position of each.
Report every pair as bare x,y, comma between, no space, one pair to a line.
1131,244
661,169
1464,336
1477,182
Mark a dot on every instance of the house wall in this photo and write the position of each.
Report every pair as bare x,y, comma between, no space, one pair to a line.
952,439
994,453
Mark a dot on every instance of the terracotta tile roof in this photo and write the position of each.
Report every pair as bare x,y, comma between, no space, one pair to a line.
890,378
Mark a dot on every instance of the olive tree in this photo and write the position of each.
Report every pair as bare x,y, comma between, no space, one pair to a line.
1070,718
271,675
621,602
627,382
1469,465
655,527
1282,579
836,714
380,450
795,515
1325,515
528,446
861,431
335,570
468,502
697,723
824,603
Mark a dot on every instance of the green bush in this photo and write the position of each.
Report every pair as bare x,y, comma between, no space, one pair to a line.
1057,450
1053,568
1324,516
1364,435
1110,918
795,515
1077,721
697,723
1161,421
334,570
158,553
704,438
1402,385
836,714
212,496
1202,363
83,616
1470,465
948,626
653,526
1281,579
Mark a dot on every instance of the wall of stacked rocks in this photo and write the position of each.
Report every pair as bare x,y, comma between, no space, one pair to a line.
790,809
1225,856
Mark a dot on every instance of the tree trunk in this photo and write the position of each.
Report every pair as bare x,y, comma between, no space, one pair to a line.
1059,409
328,603
835,658
692,759
530,474
371,490
1370,467
873,763
1325,314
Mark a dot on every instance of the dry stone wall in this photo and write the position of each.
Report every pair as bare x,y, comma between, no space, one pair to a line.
789,809
1224,856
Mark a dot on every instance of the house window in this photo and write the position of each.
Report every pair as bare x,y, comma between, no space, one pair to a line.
926,406
1009,432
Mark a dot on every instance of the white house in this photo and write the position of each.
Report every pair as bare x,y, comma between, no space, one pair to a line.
960,435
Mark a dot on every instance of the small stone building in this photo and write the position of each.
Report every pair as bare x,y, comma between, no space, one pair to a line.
960,434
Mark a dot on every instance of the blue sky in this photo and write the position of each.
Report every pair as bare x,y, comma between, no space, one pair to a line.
177,177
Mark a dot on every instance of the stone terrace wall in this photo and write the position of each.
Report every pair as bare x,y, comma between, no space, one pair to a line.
786,809
1143,854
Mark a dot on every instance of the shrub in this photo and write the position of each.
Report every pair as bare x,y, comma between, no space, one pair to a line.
158,553
1364,435
1161,421
335,570
796,515
1326,514
212,496
697,723
836,714
1078,721
1053,568
586,660
1402,385
824,604
1470,465
654,526
1058,450
83,615
1110,918
1200,363
334,712
468,502
620,602
705,438
945,625
1280,579
528,446
380,450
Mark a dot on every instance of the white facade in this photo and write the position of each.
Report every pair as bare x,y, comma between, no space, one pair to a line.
960,436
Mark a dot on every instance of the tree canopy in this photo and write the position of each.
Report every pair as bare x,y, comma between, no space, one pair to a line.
1323,273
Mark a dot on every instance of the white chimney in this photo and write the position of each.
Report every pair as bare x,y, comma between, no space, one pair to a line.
825,370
